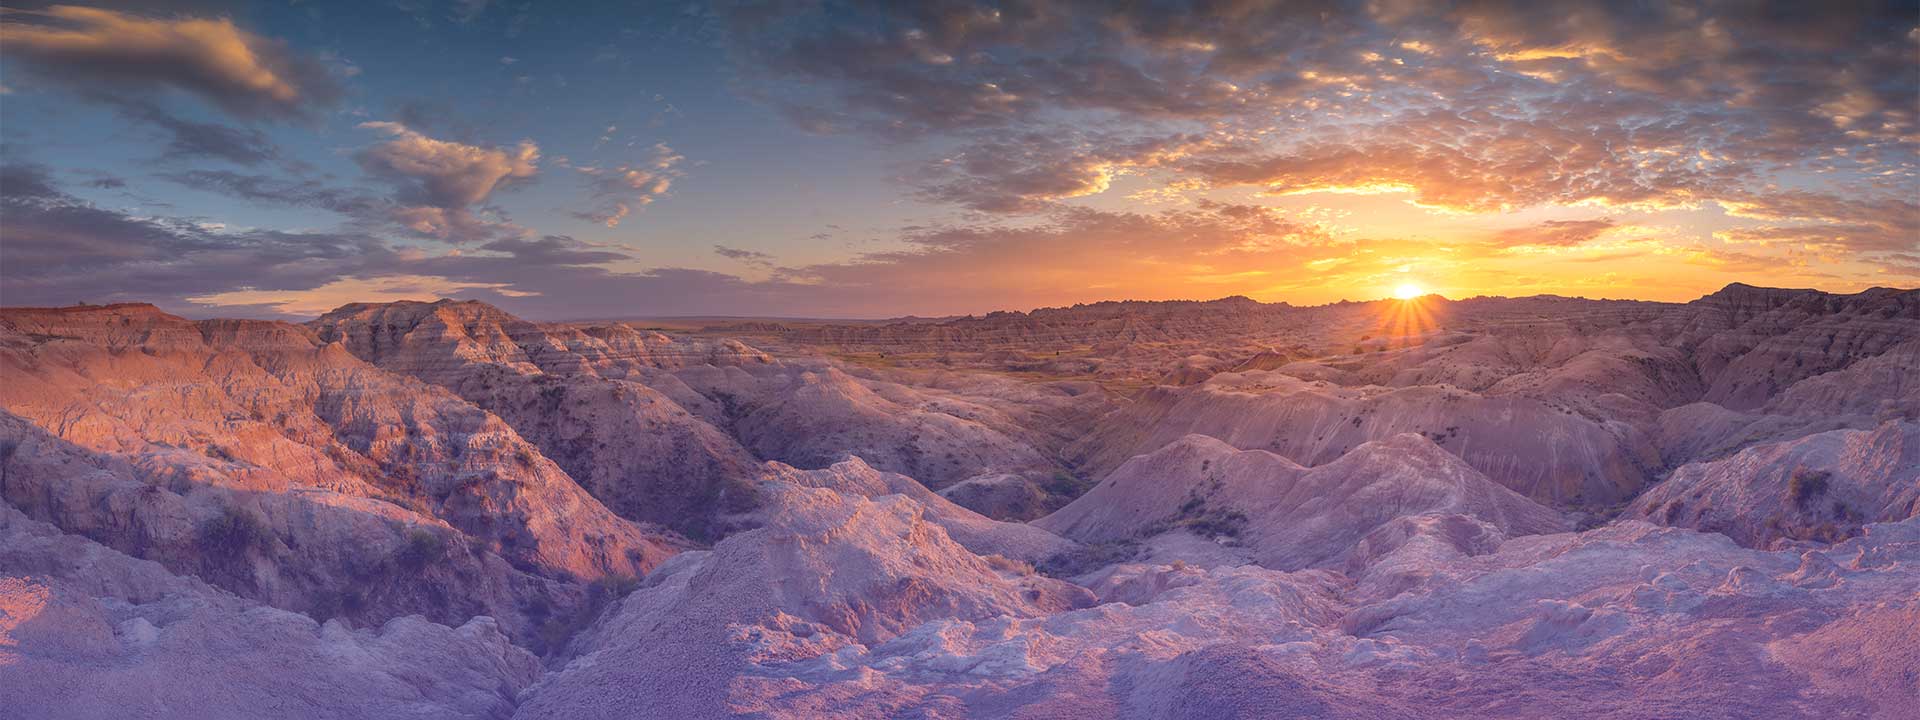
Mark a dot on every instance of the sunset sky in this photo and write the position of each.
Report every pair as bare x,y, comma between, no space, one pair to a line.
875,159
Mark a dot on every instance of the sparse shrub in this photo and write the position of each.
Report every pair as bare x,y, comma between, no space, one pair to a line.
1673,511
1194,516
1087,558
423,548
1192,505
234,533
556,630
337,604
1064,483
1805,485
1215,524
1006,564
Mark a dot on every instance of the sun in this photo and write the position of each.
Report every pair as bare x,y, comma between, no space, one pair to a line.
1408,291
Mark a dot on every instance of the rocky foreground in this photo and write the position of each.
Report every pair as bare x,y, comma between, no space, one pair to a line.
1491,508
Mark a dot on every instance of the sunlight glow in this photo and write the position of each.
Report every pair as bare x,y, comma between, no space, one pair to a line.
1408,291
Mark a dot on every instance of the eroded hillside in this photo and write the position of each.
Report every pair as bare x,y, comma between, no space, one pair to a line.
1491,507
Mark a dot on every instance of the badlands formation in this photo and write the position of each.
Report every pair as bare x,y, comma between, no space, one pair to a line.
1486,508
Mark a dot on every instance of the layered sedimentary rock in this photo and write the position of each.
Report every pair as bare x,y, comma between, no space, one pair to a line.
1495,507
569,390
289,471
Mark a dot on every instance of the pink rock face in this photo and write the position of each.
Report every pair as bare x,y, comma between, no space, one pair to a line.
291,472
1522,508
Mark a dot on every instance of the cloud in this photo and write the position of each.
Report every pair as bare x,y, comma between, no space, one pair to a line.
438,181
280,191
552,251
1860,223
1554,233
1077,255
60,250
443,173
1470,108
617,191
191,140
1028,172
341,291
749,257
242,73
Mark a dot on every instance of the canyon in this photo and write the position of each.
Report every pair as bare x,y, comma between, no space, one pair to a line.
1488,507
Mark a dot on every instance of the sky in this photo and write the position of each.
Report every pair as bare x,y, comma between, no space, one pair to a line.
880,159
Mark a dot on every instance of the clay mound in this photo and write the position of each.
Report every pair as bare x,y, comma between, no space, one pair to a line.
1002,496
829,571
1703,431
1548,453
1515,632
1820,487
812,415
86,632
977,533
1265,360
1289,516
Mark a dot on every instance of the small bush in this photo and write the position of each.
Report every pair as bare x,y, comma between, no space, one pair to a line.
556,630
1215,524
1087,558
1064,483
1805,485
423,548
1006,564
337,604
1673,511
1194,516
234,533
